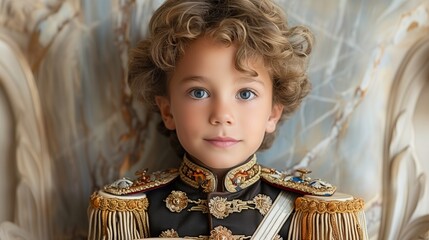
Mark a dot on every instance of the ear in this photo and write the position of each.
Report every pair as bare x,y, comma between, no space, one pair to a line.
165,110
276,114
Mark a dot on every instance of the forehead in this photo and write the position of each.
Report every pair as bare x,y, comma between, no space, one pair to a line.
207,55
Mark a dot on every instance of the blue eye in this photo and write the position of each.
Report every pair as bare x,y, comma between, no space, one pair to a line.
198,93
246,95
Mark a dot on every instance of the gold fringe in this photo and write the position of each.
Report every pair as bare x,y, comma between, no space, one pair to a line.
305,234
117,217
335,233
316,219
310,225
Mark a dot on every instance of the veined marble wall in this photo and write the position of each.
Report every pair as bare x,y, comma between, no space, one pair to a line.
68,124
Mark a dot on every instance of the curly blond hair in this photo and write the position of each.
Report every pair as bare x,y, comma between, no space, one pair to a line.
259,29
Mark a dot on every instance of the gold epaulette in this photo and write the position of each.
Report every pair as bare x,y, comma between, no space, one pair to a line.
143,183
339,216
118,217
298,182
119,211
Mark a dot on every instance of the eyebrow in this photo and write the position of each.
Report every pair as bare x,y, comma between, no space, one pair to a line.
197,78
251,80
193,79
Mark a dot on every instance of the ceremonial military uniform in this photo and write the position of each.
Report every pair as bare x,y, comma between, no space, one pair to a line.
191,202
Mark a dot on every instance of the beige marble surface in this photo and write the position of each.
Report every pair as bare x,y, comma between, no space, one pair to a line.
66,127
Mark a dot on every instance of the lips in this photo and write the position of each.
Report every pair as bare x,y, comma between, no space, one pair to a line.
222,142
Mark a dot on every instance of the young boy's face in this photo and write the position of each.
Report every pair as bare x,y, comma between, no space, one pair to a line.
219,113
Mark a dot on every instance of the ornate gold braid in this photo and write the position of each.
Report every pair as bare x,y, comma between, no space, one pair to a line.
251,168
121,205
201,205
151,181
188,168
267,175
312,205
219,207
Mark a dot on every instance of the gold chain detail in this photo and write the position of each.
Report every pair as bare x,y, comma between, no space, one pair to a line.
201,205
218,207
313,205
178,200
121,205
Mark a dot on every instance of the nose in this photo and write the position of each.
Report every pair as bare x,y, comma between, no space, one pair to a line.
221,113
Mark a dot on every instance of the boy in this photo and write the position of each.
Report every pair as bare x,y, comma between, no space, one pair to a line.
222,74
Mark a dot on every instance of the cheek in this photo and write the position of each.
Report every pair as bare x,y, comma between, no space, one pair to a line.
187,118
259,116
258,111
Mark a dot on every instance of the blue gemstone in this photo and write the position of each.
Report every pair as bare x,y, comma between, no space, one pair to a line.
297,179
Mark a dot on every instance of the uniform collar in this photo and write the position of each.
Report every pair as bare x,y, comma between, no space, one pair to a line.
237,178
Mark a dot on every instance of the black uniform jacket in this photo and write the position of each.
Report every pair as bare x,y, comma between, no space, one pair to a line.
193,202
193,206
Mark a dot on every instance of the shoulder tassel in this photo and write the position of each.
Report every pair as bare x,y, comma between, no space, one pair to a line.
118,217
331,218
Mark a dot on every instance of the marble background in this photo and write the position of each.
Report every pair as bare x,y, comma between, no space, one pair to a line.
68,124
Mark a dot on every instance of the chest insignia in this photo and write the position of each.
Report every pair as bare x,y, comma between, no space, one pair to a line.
298,182
144,182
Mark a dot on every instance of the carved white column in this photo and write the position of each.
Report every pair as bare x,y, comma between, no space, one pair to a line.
405,210
32,164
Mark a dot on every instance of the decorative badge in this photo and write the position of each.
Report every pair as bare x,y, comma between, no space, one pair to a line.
142,183
298,182
221,208
176,201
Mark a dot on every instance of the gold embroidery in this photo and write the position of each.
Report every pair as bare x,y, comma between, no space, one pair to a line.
243,176
201,205
144,182
218,233
313,205
238,178
176,201
263,203
301,183
220,208
121,205
223,233
338,215
197,176
170,233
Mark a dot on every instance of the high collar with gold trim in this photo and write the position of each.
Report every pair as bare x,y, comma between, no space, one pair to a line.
236,179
